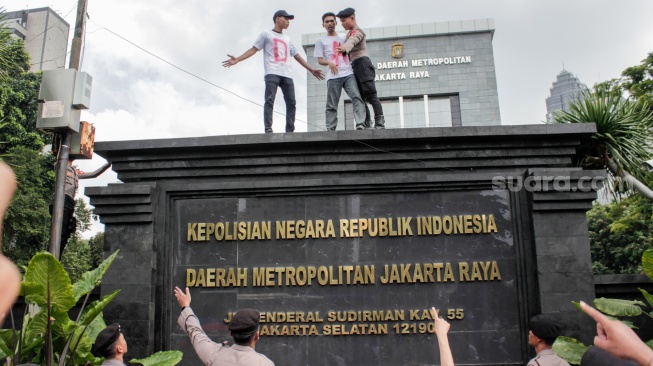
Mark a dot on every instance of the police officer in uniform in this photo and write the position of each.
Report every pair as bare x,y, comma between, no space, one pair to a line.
110,344
243,329
544,331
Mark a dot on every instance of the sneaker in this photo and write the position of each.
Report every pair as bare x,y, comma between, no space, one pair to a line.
268,130
360,127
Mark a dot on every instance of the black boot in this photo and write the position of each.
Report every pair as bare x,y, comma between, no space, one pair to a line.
379,122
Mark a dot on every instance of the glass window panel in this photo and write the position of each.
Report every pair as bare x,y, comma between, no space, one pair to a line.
439,112
390,112
414,113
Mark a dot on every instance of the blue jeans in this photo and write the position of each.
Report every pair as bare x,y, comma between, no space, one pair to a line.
334,89
288,90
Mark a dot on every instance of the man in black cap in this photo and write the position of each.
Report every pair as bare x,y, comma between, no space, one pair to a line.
544,331
243,328
277,52
356,47
111,345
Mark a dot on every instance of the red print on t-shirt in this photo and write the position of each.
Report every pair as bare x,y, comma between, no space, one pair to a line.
336,57
280,51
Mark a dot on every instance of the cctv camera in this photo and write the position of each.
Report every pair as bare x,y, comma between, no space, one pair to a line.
648,165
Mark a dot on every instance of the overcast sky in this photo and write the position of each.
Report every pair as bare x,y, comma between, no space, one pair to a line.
137,96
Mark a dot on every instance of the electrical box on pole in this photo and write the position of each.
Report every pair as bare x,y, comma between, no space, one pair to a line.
64,93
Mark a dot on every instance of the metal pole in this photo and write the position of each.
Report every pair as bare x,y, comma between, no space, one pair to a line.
66,137
80,26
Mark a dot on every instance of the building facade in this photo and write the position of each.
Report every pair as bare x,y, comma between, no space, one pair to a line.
45,34
428,75
565,89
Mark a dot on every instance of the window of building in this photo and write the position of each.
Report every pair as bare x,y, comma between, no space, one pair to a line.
411,112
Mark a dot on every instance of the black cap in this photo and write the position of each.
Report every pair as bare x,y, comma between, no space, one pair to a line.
346,13
282,13
105,340
545,327
245,322
595,356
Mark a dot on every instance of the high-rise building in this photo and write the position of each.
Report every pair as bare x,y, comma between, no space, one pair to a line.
427,75
565,89
45,34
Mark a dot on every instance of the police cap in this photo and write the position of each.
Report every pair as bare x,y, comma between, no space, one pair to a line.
346,13
545,327
105,340
245,322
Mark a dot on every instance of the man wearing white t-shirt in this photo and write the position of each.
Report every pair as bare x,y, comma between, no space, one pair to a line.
339,75
277,51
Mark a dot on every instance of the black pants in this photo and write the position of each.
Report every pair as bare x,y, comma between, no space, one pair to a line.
272,82
365,74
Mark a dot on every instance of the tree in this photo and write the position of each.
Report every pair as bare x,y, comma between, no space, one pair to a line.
96,243
622,140
27,223
76,257
619,233
638,80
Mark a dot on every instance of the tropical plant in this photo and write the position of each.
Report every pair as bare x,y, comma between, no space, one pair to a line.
622,141
572,350
50,335
619,233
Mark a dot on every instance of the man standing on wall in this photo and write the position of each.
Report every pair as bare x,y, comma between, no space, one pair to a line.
356,47
543,333
243,327
339,75
277,50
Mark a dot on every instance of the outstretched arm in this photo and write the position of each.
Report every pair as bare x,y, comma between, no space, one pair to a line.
332,66
441,330
203,345
317,73
616,338
94,173
9,275
234,60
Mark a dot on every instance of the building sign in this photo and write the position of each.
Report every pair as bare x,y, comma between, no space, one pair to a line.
415,63
354,272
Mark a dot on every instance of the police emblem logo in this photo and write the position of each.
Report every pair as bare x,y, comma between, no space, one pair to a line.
397,50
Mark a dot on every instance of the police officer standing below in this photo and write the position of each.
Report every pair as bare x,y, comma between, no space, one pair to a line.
243,327
543,333
110,344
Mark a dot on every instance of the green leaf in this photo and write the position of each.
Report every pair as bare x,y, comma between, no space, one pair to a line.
95,308
47,283
647,296
647,262
6,343
570,349
92,278
62,326
618,307
163,358
83,350
650,344
96,326
577,305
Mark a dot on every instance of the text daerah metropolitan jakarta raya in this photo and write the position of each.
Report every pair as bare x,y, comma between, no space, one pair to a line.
346,228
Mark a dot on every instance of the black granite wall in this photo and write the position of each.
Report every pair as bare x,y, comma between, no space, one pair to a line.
540,247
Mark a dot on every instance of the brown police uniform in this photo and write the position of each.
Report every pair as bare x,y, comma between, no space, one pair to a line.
547,358
216,354
356,48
